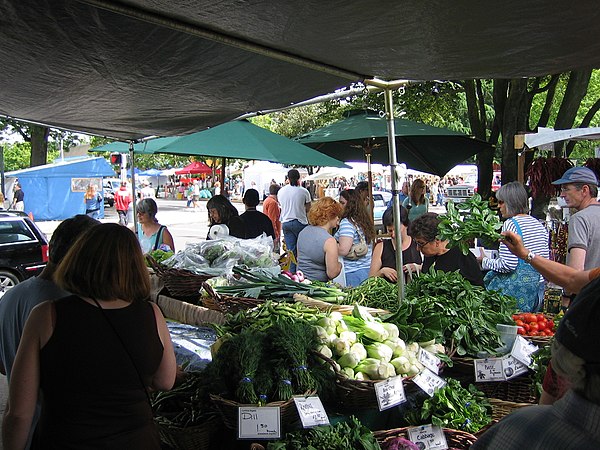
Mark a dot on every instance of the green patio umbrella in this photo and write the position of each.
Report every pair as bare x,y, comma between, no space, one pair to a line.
421,147
241,139
141,148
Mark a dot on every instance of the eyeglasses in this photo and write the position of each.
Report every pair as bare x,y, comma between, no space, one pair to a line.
501,202
566,188
421,243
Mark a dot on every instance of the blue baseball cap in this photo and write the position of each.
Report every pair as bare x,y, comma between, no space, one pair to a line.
578,175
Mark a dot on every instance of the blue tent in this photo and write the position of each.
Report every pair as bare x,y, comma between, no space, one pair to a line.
55,191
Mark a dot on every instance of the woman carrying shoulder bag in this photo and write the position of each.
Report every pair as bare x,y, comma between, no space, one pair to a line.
507,273
355,237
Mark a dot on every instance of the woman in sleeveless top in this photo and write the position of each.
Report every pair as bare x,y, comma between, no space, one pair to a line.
317,248
94,354
356,226
151,234
383,263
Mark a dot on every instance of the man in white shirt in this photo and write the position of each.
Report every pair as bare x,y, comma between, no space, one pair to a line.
295,203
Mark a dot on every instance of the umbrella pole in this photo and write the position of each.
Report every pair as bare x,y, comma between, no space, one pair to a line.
368,150
389,110
132,168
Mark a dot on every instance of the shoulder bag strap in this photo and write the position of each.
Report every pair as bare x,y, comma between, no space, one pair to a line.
514,221
126,351
158,236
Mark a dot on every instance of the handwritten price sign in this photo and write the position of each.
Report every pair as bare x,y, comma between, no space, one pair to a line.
311,411
259,422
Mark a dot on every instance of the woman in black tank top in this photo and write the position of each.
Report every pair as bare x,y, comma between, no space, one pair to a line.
94,354
383,261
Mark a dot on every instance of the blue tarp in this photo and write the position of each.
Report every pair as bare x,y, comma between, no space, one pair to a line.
49,189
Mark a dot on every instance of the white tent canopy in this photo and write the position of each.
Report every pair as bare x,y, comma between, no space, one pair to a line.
546,136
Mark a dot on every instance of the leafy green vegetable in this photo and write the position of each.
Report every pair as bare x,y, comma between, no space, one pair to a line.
160,255
476,221
454,407
256,284
374,292
341,436
447,308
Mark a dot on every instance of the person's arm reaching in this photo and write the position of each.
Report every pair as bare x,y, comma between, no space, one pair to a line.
567,277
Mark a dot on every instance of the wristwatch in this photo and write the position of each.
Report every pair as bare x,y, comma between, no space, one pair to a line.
529,257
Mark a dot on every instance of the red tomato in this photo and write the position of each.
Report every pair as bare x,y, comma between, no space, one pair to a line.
550,325
540,317
519,323
542,325
526,326
533,326
516,316
530,317
521,331
548,332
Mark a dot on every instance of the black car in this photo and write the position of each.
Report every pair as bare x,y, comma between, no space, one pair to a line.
23,249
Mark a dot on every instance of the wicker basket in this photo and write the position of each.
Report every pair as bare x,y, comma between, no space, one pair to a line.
456,439
228,410
502,408
181,284
355,395
187,313
343,309
191,438
227,304
520,389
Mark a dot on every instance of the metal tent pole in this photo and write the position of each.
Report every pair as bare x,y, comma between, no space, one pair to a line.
388,87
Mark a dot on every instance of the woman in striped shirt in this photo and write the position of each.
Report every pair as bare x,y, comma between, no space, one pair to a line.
513,202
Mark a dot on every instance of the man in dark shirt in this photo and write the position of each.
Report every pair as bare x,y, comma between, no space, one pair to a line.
256,223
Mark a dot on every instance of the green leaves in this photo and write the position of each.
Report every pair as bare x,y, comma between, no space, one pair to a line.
469,220
446,307
456,407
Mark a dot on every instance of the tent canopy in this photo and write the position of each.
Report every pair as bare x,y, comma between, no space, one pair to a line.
546,136
194,168
421,147
162,67
55,191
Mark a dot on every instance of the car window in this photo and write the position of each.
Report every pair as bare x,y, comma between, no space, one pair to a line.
15,231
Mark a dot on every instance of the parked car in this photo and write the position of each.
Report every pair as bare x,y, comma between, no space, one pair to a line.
380,202
460,193
23,249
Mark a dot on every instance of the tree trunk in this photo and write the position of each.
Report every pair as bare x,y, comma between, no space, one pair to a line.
574,93
477,120
39,145
514,119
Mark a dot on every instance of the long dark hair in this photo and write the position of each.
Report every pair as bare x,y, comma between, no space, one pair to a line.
356,212
224,207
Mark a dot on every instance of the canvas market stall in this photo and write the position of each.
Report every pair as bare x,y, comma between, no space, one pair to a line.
55,191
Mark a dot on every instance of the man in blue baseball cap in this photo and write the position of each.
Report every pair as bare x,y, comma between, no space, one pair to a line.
579,189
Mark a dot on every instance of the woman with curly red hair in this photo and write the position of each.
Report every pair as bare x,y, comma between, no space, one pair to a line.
317,248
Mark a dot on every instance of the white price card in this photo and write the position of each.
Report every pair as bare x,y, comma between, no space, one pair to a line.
513,367
389,392
428,381
428,437
259,422
311,411
429,360
523,349
489,369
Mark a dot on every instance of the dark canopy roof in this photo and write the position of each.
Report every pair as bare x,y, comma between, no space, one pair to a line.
135,68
